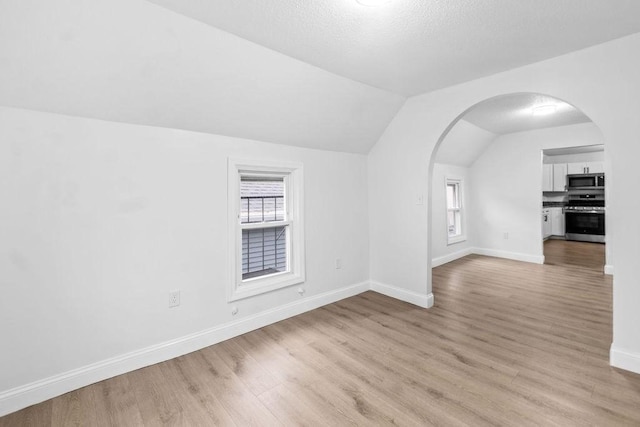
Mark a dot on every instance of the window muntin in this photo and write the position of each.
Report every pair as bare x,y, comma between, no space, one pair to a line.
261,199
455,229
266,226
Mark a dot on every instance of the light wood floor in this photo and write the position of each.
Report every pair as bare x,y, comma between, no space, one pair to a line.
507,343
576,254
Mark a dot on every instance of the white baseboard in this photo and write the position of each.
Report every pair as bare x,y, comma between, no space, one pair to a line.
20,397
608,269
536,259
436,262
624,359
421,300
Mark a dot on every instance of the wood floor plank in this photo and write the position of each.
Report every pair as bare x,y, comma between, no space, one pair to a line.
199,405
245,367
238,401
507,343
156,398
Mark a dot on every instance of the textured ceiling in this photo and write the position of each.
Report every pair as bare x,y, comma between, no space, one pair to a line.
414,46
514,113
483,123
327,74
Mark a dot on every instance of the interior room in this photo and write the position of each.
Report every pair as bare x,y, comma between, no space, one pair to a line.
364,212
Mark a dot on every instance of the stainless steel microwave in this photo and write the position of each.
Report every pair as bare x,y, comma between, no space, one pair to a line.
588,181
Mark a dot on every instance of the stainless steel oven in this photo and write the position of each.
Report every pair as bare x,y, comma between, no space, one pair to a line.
583,225
584,218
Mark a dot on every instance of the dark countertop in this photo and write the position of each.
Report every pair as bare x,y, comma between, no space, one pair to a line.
554,204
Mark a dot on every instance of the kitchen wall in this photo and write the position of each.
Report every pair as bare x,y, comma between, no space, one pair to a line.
442,251
507,188
596,156
602,82
100,220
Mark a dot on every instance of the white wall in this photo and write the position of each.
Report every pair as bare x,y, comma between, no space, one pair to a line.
507,182
595,156
100,220
601,81
441,250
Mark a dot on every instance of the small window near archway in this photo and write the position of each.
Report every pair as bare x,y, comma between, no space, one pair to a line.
455,214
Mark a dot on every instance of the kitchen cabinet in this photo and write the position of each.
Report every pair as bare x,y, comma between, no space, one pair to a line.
546,223
554,177
585,167
575,168
560,177
595,167
557,221
547,177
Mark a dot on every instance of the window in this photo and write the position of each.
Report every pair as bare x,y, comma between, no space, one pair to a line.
266,227
455,228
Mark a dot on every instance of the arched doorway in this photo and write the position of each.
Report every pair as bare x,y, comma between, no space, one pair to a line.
501,215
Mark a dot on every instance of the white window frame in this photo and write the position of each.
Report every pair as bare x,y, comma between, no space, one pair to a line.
292,174
460,209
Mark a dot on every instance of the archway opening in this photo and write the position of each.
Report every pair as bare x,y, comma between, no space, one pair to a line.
490,185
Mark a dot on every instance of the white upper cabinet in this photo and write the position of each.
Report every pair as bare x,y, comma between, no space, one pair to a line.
585,167
575,168
560,177
547,177
595,167
554,177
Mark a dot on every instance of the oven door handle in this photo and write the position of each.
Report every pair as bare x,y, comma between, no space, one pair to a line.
584,212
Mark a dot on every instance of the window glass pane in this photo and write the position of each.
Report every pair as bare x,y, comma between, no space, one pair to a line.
264,251
451,223
261,199
453,195
450,195
454,208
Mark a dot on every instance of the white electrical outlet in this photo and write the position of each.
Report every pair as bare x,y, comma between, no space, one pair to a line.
338,263
174,298
506,235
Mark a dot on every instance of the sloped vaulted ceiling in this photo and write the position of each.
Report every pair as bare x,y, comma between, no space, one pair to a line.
415,46
327,74
133,61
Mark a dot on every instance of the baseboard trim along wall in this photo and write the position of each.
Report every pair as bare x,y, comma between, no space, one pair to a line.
608,269
39,391
436,262
624,359
20,397
536,259
421,300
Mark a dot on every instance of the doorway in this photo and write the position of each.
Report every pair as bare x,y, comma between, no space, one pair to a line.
574,206
493,152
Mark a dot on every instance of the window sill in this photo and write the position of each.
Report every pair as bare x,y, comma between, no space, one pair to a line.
262,285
